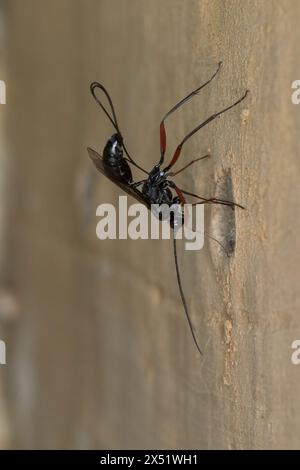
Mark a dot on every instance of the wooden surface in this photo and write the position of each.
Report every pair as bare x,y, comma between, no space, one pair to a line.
101,355
5,296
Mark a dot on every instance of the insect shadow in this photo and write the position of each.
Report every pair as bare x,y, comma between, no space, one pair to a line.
157,187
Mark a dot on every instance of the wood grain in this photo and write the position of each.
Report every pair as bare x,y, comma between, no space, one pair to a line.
102,355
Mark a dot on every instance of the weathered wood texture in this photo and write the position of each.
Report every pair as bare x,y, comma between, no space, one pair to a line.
5,297
101,355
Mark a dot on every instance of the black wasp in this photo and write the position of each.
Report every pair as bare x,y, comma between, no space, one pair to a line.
156,187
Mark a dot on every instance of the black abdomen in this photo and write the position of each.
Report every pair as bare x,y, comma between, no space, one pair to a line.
114,160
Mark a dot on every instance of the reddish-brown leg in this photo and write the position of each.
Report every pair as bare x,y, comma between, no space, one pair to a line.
163,137
190,134
212,200
186,166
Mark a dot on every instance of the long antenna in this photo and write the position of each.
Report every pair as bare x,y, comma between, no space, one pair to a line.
182,295
112,118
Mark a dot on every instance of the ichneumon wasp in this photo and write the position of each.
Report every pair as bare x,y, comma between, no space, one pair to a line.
157,187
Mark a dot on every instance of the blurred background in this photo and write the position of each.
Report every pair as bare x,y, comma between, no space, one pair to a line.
98,351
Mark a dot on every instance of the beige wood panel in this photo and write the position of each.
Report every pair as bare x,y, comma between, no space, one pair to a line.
102,355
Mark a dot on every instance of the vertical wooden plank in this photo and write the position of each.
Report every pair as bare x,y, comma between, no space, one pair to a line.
103,356
5,297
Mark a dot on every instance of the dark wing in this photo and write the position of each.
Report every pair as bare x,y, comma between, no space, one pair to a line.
98,162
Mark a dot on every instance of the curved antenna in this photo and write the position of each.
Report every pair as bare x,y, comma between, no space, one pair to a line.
112,118
182,295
